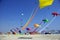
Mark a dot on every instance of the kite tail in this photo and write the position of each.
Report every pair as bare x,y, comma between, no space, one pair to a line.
40,23
30,19
47,24
59,14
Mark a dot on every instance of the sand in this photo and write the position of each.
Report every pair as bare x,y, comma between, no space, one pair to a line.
30,37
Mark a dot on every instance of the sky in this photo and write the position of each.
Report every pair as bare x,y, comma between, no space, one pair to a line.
15,13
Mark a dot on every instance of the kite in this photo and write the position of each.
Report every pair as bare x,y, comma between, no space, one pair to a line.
36,26
45,20
55,14
12,32
45,3
28,29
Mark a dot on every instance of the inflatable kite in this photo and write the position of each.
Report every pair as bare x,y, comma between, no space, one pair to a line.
44,3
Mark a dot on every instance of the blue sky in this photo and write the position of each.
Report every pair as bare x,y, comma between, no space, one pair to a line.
11,10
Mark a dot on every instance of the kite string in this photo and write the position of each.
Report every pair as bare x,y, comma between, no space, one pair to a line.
47,24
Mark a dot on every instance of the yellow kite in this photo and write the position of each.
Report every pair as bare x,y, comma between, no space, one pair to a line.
44,3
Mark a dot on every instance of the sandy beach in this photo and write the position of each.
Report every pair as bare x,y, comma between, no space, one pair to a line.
31,37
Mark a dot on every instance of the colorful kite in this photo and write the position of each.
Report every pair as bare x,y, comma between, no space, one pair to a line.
45,20
44,3
55,14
